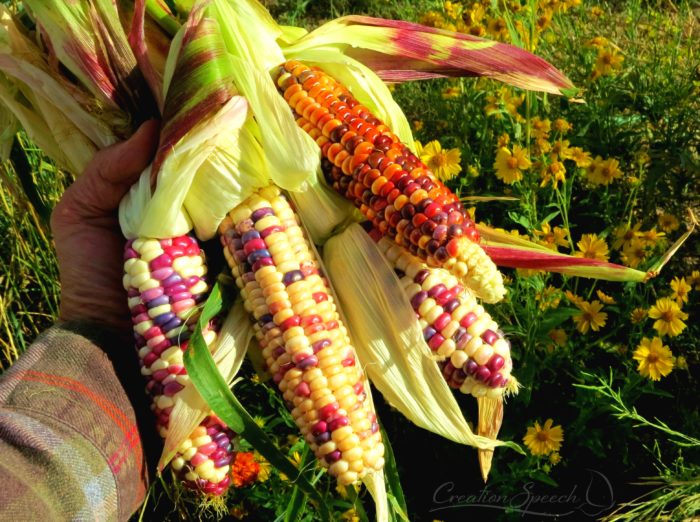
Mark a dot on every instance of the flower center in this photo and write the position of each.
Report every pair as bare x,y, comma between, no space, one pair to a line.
513,163
667,316
542,436
652,358
439,160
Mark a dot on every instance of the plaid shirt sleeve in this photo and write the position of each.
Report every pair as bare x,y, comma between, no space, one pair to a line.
70,447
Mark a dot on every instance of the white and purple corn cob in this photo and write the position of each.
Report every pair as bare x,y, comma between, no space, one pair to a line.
476,356
304,344
164,280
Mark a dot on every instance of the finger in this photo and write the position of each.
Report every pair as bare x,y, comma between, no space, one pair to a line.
125,161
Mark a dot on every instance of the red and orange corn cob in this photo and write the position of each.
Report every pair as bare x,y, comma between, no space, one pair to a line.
476,356
304,344
367,163
165,282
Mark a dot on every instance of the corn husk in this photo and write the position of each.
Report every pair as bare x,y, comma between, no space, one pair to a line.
389,339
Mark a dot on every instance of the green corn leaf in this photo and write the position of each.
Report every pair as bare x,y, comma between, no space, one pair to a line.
211,385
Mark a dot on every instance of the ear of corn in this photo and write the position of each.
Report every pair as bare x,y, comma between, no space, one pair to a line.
476,356
368,164
165,282
304,345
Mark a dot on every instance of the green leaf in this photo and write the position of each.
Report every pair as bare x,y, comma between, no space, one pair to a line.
297,501
210,384
391,472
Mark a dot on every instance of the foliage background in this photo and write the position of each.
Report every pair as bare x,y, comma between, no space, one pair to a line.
641,110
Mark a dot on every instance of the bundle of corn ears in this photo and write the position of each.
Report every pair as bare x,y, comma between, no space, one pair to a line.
281,142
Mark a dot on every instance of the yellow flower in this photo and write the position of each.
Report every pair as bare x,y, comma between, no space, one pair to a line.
596,11
542,440
451,92
606,62
668,223
598,42
473,171
498,29
503,140
552,237
432,19
265,467
634,253
553,173
350,515
573,298
544,20
655,359
548,298
694,279
623,235
504,101
259,421
669,317
562,126
592,247
509,165
419,148
418,125
444,163
606,299
540,128
651,237
554,458
561,150
542,147
604,171
681,363
638,315
591,317
680,290
558,336
580,157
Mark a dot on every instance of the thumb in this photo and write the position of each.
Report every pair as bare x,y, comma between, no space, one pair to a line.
112,171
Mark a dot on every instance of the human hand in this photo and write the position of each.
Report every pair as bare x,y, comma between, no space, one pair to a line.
89,242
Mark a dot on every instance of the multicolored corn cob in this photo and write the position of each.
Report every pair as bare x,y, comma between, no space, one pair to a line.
365,162
476,355
304,344
164,280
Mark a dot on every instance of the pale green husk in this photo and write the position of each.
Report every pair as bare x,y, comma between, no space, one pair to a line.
389,339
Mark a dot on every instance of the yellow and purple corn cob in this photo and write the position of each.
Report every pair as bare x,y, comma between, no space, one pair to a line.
164,280
365,162
476,356
304,344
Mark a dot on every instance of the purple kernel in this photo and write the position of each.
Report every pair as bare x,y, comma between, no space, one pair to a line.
496,380
278,351
428,332
322,438
181,296
162,261
483,374
418,299
471,367
450,305
163,319
267,318
319,428
421,276
250,235
265,261
496,362
162,273
218,435
292,277
225,461
308,362
175,322
176,289
489,337
172,280
320,345
259,255
461,337
130,253
224,443
260,213
172,388
158,301
375,427
436,290
218,453
333,456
